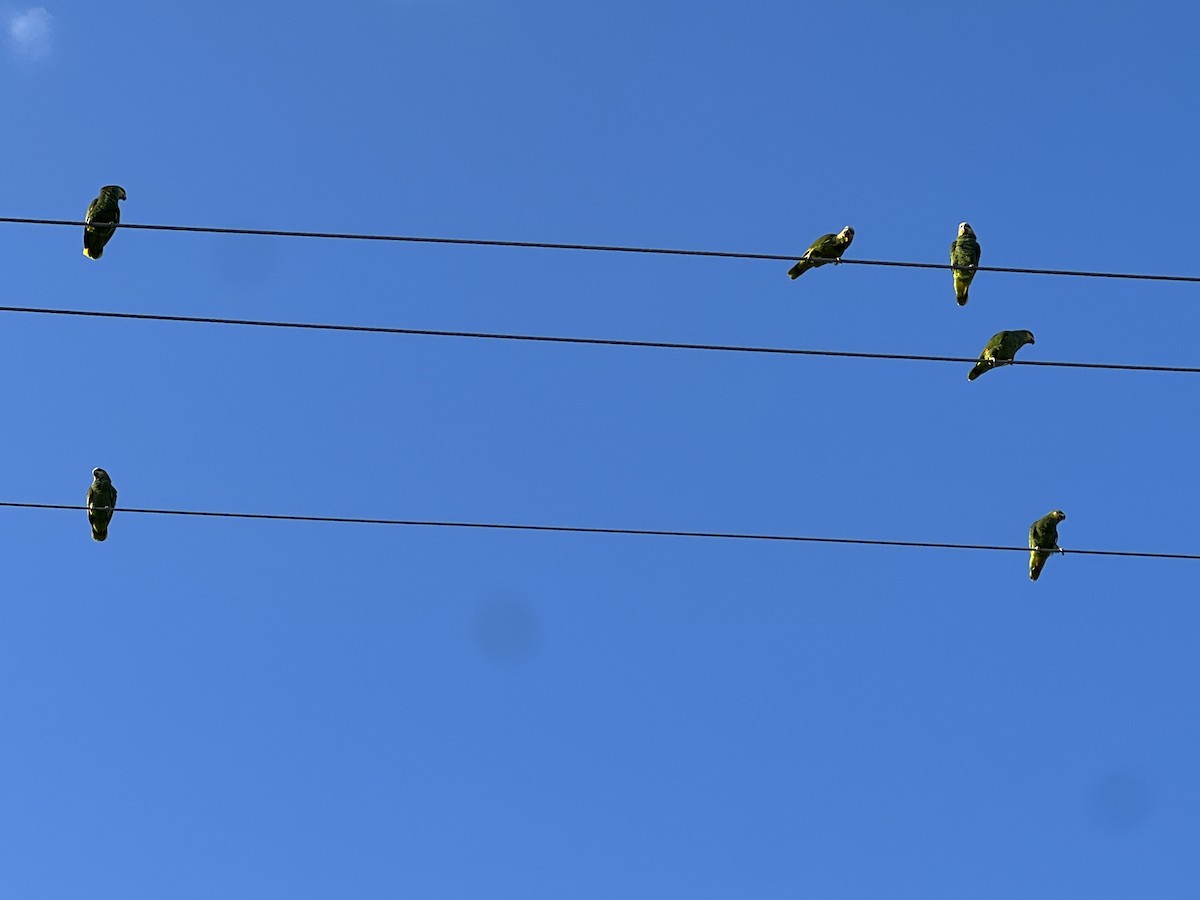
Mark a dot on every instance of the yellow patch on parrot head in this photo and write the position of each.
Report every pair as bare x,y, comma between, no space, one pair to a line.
964,228
846,234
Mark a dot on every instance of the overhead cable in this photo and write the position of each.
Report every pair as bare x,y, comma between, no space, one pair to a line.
557,339
603,248
581,529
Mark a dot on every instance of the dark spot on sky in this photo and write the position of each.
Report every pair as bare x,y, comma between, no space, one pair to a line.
506,630
1120,802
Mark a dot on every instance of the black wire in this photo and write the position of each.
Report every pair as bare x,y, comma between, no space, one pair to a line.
554,339
605,248
587,341
579,529
1191,279
408,239
591,341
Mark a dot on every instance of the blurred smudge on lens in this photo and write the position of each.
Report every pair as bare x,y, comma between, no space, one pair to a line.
506,630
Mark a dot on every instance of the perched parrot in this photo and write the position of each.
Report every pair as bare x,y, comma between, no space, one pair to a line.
104,210
826,248
101,501
1043,541
964,252
1000,350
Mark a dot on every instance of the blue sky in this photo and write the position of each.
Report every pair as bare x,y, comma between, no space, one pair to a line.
203,708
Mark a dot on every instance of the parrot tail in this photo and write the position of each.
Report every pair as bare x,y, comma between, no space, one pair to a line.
799,269
99,523
980,367
1036,562
960,288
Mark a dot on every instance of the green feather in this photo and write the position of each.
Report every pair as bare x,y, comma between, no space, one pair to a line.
101,501
1000,350
964,252
825,249
1043,541
104,210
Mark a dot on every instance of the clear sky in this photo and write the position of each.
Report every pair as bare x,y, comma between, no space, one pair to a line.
204,708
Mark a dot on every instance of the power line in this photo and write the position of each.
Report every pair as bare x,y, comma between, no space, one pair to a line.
1191,279
558,339
580,529
410,239
602,248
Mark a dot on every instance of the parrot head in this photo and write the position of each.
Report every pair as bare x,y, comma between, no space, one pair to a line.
114,189
965,230
846,234
100,475
1058,515
1028,335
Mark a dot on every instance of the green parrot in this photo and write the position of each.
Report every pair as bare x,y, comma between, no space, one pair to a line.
964,252
1000,350
103,209
101,501
1043,541
826,248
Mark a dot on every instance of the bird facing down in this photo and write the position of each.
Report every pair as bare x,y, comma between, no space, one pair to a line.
102,210
101,501
1043,541
827,248
964,256
1000,351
